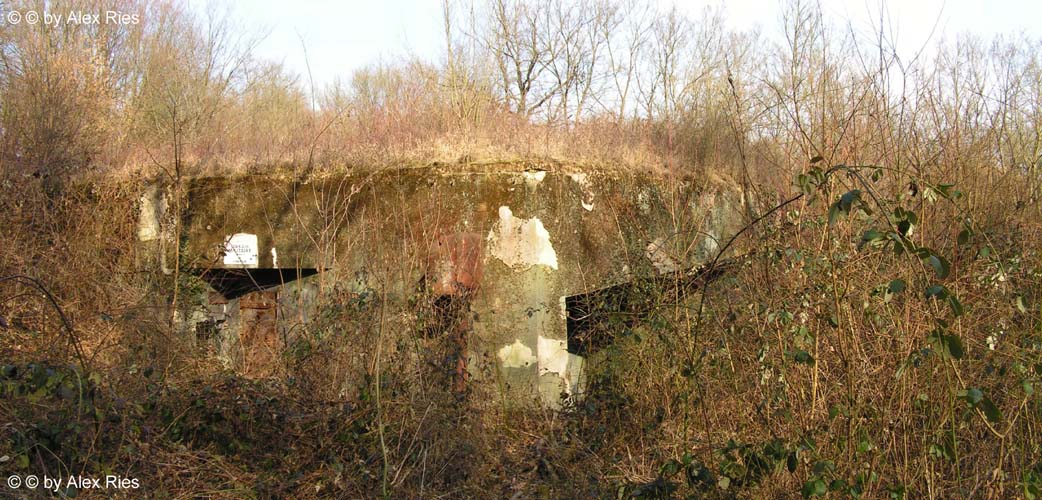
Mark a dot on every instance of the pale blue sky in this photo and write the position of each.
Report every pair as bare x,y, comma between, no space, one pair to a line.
342,36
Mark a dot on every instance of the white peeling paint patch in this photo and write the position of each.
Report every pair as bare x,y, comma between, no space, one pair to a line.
516,355
564,308
521,243
534,177
553,355
554,358
658,254
711,242
274,257
240,249
153,204
584,183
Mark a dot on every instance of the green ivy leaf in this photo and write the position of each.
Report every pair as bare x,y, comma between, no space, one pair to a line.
669,469
814,488
847,200
947,344
964,237
904,227
843,205
803,357
942,293
954,345
834,213
991,412
972,395
871,237
940,265
938,291
806,183
897,286
823,466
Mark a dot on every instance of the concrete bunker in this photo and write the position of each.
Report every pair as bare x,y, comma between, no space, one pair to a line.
513,257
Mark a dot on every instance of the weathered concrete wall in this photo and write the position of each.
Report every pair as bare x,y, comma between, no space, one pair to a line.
512,242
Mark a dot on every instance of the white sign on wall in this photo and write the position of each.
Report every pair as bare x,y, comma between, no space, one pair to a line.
240,249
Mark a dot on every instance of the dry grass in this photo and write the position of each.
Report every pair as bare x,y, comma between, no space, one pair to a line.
705,402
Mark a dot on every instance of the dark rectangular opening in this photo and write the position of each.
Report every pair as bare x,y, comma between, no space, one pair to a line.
595,318
234,283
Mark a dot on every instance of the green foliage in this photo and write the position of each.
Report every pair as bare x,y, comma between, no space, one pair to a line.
976,399
63,423
843,205
1032,482
947,344
896,240
57,408
739,466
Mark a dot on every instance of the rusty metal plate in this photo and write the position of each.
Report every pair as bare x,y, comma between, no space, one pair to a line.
258,333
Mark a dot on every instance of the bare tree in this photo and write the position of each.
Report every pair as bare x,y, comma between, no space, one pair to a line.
465,76
658,86
192,71
518,41
625,36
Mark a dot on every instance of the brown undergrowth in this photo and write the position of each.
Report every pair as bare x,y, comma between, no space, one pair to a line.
879,338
